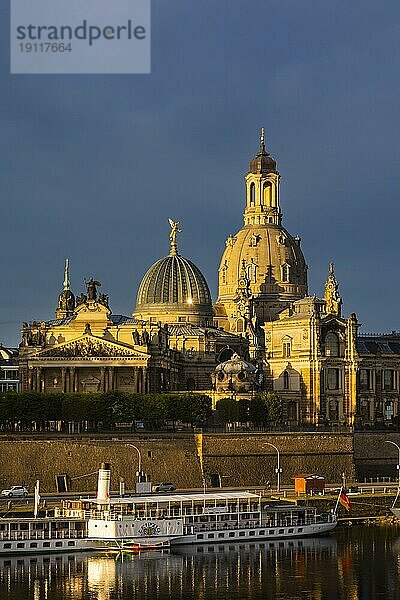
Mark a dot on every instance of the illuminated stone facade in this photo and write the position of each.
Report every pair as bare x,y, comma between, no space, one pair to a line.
299,345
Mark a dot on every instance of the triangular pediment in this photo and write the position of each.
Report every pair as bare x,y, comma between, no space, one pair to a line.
88,346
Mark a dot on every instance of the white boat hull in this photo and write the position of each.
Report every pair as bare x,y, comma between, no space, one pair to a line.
221,536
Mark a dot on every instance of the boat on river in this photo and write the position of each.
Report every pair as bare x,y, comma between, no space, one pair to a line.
158,521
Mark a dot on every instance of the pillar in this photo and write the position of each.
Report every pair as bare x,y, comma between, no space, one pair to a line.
111,382
30,378
144,381
103,378
63,372
72,379
38,382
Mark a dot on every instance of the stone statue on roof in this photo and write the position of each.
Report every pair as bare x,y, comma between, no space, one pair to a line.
92,286
175,229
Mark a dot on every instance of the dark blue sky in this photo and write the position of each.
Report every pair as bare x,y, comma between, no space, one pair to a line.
92,166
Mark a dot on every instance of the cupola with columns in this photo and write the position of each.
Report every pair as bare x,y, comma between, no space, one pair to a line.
271,257
66,300
262,189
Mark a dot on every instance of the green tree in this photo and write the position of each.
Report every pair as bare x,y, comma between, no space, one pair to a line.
196,409
273,406
258,410
227,410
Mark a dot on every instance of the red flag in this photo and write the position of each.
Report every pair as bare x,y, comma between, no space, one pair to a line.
344,501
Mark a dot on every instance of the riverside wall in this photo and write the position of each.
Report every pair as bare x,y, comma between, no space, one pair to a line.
240,459
373,457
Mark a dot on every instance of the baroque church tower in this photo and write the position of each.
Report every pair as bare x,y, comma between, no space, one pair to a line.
262,261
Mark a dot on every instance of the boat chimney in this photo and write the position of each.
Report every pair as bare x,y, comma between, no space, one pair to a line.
103,483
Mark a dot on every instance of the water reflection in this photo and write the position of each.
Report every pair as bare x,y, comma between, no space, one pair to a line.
354,564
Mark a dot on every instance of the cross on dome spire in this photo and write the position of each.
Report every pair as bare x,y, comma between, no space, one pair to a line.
262,138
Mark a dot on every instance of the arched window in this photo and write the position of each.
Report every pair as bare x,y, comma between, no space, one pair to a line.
225,354
239,326
286,380
252,194
331,344
292,411
285,273
267,194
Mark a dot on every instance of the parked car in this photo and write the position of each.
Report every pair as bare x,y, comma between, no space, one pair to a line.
166,486
15,490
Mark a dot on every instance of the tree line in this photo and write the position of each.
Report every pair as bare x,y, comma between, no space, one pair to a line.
102,409
34,410
265,409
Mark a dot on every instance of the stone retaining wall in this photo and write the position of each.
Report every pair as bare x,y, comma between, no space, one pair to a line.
240,459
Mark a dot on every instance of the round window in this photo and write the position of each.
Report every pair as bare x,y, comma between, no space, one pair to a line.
241,375
220,376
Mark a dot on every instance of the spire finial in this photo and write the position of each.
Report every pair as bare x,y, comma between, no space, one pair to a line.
262,137
172,236
332,297
66,275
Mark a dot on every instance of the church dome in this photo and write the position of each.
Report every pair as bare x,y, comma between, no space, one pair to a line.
234,375
173,290
262,257
235,364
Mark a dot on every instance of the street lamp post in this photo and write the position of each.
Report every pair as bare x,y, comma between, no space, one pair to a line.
398,469
278,469
398,458
140,461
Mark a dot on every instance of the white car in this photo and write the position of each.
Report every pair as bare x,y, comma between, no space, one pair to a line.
15,490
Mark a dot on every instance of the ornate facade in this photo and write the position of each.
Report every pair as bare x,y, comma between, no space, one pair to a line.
170,344
285,340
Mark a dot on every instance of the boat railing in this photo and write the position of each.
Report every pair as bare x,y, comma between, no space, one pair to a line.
42,535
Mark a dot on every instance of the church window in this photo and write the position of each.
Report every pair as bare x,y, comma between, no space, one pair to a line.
286,350
252,194
286,381
267,196
334,379
285,273
388,379
365,379
239,326
292,411
331,344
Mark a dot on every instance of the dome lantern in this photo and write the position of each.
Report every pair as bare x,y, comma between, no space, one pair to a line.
66,300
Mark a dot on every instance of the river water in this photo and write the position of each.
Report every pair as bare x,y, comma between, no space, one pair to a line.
359,562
